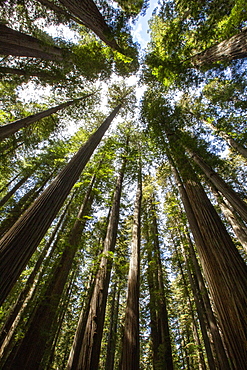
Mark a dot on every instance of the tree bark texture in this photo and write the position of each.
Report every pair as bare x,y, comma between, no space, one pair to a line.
34,344
233,48
19,243
16,43
11,128
131,344
233,198
225,270
88,13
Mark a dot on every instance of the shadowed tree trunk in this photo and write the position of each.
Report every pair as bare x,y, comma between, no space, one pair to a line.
233,48
26,73
91,343
130,344
19,243
112,335
160,334
12,320
225,270
10,128
39,333
16,43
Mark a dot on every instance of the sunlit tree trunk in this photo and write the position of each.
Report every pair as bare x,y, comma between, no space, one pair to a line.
233,48
11,128
19,243
130,343
233,198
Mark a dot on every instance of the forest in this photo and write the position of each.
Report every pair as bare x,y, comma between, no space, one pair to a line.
123,185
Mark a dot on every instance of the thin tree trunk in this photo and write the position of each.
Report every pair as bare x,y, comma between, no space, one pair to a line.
233,48
225,270
42,321
9,183
16,43
231,142
201,311
90,16
12,320
233,198
22,206
194,323
14,189
131,345
18,245
26,73
91,343
11,128
236,223
112,336
161,343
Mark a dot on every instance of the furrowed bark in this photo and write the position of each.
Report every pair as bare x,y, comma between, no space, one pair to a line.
19,243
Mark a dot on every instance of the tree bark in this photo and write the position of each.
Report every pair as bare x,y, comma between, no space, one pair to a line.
19,243
88,13
236,223
16,43
112,336
233,48
90,346
15,188
225,271
233,198
130,343
230,141
32,348
161,342
11,128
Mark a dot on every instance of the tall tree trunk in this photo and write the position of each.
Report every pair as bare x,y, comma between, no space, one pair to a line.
225,270
236,223
161,342
32,348
26,73
91,343
11,128
13,319
90,16
231,142
112,335
19,243
233,48
15,188
130,344
200,310
233,198
16,43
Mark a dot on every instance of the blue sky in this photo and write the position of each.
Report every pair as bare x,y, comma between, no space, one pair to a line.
140,29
